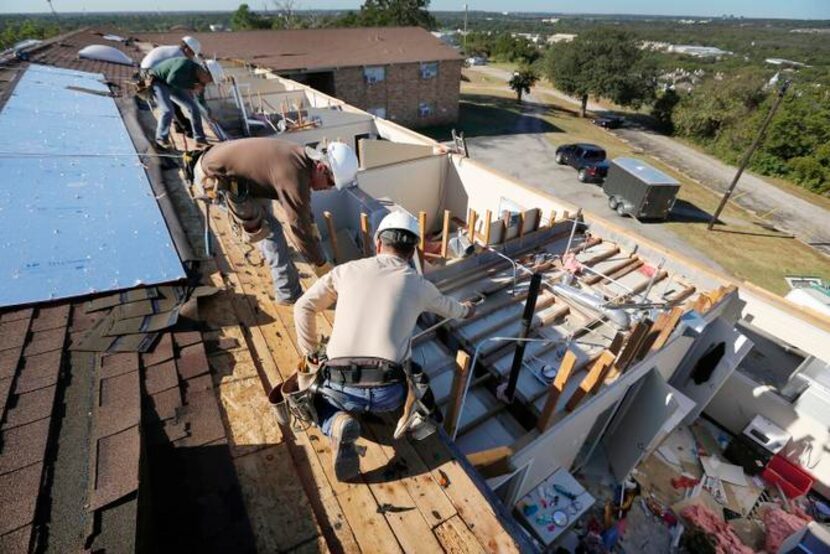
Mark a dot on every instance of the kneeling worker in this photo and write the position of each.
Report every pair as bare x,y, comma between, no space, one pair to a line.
366,366
252,172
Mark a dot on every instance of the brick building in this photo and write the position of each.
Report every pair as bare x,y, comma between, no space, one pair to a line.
403,74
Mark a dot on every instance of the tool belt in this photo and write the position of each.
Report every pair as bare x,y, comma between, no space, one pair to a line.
362,372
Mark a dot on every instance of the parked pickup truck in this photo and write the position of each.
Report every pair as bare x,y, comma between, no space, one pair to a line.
587,159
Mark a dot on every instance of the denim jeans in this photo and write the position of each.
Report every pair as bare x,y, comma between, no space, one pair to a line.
335,398
277,255
165,96
273,248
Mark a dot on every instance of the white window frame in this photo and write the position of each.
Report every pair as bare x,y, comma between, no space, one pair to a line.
426,109
373,74
426,71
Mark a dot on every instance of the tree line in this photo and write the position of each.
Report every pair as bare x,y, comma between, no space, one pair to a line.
721,113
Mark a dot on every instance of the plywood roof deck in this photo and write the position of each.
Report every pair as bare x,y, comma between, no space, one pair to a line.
412,496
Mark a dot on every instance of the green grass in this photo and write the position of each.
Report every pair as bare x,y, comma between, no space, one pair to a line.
740,245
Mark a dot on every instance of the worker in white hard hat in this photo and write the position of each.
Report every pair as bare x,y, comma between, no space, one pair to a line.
366,366
189,47
251,173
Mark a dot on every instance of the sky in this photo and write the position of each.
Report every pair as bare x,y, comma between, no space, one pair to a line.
794,9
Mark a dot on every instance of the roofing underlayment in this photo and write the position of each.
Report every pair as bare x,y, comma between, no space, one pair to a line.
75,193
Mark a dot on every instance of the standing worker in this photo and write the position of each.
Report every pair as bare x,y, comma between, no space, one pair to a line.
179,80
190,48
366,367
251,172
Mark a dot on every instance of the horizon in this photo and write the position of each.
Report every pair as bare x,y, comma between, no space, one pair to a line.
707,9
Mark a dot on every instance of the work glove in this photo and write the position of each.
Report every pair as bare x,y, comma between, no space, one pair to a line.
471,309
322,269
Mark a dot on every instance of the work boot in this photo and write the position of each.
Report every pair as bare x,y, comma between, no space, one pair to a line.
345,430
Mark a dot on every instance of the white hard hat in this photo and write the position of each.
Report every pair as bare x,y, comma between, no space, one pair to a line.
399,221
343,163
194,44
215,69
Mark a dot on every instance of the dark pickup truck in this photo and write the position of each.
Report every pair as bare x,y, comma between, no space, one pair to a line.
587,159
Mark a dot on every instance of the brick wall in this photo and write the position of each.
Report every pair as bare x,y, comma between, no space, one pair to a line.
403,91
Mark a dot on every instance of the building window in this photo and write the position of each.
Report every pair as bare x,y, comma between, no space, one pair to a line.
374,74
429,70
426,109
378,112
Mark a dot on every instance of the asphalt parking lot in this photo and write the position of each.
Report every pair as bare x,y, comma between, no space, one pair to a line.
529,157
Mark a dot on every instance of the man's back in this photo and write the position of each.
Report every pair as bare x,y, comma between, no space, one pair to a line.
160,54
379,300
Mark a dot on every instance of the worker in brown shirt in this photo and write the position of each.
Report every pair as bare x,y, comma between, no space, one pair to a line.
250,173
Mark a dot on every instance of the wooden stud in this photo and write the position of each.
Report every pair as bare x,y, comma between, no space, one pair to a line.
488,220
459,381
552,219
521,224
632,346
445,234
332,236
492,462
591,383
556,387
669,324
366,234
471,226
422,226
538,219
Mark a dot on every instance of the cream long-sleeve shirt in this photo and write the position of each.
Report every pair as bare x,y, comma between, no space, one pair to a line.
378,300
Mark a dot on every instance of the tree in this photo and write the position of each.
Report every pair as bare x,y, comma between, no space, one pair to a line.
603,62
522,80
386,13
243,18
663,109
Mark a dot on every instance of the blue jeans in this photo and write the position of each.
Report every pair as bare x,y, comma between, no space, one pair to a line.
335,398
165,96
278,257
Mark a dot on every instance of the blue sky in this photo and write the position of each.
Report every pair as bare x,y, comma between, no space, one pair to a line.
799,9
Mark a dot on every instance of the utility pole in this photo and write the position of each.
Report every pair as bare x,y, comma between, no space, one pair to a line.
465,30
745,161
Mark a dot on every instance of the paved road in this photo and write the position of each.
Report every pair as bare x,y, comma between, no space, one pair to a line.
529,156
785,211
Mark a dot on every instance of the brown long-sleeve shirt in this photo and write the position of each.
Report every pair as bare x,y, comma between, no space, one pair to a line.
274,169
378,300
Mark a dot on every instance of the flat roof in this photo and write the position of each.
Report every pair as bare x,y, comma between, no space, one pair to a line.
645,172
305,49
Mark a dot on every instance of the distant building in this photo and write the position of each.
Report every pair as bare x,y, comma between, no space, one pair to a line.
532,37
561,37
404,74
785,63
217,27
551,20
698,51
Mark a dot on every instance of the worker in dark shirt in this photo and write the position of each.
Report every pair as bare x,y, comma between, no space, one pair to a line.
250,173
179,80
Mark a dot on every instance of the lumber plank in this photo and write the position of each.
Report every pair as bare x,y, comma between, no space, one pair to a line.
477,514
456,537
459,381
592,381
557,386
668,327
431,500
